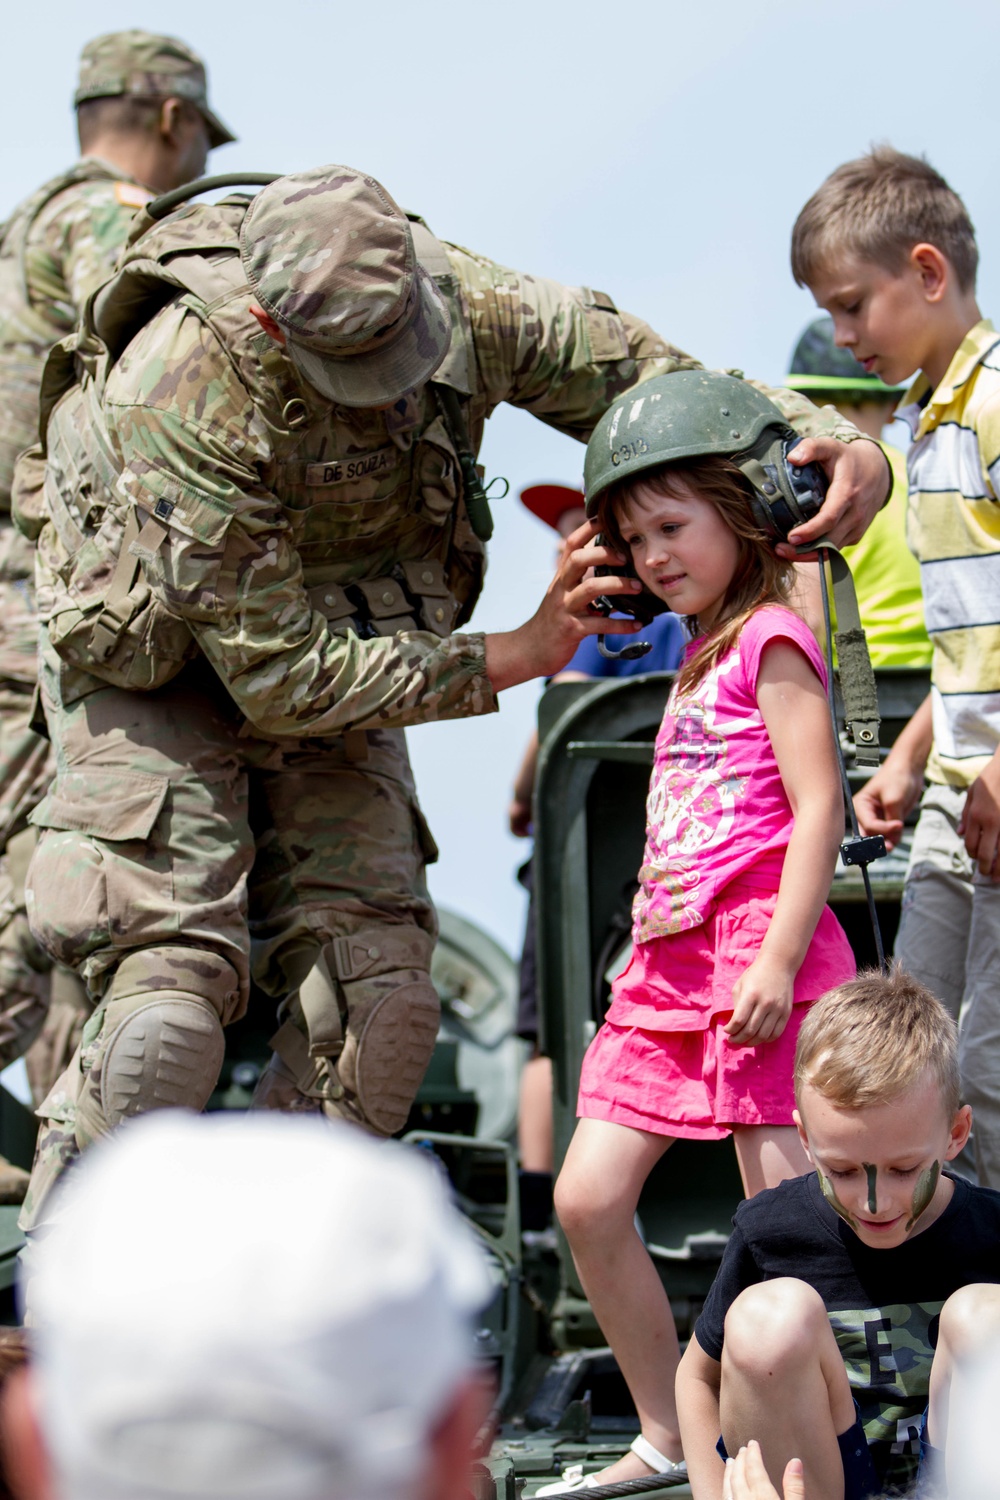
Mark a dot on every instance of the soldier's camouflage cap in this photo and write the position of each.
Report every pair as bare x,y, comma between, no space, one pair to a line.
818,365
146,66
330,257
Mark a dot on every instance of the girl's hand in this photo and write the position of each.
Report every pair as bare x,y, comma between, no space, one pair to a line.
762,1003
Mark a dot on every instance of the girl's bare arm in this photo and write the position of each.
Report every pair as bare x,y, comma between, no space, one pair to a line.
794,708
698,1381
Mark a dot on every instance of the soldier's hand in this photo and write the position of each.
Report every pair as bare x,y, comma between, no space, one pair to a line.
746,1477
860,483
545,643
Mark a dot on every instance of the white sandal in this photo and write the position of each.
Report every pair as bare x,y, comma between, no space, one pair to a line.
573,1477
643,1448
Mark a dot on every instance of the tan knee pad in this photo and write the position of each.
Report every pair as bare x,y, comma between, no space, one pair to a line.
160,1043
372,1015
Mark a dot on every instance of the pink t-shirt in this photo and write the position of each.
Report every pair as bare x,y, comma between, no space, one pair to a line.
717,808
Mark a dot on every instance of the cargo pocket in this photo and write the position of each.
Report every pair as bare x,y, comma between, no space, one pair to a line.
435,474
605,330
101,879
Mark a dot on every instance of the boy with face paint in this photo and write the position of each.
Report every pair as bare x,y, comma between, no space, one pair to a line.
847,1301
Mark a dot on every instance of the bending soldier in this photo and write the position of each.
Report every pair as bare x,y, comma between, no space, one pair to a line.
255,565
144,126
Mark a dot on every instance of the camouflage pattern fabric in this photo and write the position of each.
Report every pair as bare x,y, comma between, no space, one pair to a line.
283,550
171,827
57,247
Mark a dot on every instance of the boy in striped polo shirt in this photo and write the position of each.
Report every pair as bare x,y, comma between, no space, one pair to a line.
887,248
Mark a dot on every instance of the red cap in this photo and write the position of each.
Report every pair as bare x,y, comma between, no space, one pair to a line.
550,502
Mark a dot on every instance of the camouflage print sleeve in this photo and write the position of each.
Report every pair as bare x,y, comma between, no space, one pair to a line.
228,567
565,353
74,243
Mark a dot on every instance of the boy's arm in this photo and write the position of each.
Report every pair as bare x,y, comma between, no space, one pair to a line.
883,802
698,1381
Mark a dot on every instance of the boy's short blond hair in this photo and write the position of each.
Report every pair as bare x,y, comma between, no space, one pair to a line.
869,1041
876,209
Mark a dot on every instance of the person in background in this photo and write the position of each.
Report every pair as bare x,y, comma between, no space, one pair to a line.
888,249
886,574
234,1307
561,507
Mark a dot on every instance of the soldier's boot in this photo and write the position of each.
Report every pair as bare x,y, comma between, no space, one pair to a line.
357,1039
154,1042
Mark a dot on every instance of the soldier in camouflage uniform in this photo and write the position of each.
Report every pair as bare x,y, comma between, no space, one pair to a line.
144,124
254,554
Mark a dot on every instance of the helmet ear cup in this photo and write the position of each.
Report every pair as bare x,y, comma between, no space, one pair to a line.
784,495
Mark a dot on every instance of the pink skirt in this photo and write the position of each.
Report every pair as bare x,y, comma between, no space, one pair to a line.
662,1061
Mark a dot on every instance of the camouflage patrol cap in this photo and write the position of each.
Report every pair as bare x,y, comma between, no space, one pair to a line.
818,365
142,65
330,258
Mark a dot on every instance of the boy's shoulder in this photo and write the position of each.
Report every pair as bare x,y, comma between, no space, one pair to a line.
771,1211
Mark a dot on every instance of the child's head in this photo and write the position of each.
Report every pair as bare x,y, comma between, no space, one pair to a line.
690,531
888,249
879,1111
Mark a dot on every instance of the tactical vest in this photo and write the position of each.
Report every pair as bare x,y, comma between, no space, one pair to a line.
380,526
26,332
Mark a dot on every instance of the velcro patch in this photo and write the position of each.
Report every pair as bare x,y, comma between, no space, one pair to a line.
357,466
131,195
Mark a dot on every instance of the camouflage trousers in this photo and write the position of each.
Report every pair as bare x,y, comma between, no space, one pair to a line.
28,988
179,853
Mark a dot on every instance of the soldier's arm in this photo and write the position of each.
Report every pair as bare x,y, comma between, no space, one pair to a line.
74,244
565,353
227,566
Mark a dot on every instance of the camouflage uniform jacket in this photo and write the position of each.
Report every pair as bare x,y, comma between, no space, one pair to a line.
57,246
317,556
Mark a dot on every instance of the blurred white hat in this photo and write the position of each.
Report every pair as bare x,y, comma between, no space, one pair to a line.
256,1307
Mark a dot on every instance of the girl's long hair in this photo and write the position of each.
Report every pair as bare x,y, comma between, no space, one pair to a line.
761,576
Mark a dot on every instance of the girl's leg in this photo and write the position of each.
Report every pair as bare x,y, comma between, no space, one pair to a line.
596,1197
768,1154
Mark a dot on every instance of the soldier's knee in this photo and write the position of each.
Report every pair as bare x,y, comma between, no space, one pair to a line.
371,1016
160,1042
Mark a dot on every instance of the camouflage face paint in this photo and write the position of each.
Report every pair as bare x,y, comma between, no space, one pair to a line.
869,1171
827,1189
923,1192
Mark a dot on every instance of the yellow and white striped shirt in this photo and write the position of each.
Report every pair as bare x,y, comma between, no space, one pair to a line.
953,528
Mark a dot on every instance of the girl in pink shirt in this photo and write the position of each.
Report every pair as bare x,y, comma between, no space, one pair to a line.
733,937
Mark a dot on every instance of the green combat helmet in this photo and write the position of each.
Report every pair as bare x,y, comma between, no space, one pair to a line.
694,413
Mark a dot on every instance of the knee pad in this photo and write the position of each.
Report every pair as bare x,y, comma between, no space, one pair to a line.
160,1043
164,1055
371,1014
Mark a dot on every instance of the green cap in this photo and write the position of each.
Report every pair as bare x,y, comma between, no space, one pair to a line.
142,65
330,257
818,365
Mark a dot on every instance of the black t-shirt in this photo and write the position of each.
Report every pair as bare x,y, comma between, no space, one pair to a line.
883,1305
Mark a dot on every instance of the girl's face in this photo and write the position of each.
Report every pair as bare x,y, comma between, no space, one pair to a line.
681,548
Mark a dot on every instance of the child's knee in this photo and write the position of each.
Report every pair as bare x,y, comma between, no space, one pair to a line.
585,1203
970,1318
772,1324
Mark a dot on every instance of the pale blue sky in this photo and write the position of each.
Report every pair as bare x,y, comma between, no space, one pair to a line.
659,151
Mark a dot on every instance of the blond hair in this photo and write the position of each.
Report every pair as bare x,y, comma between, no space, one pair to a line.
869,1041
761,577
877,208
